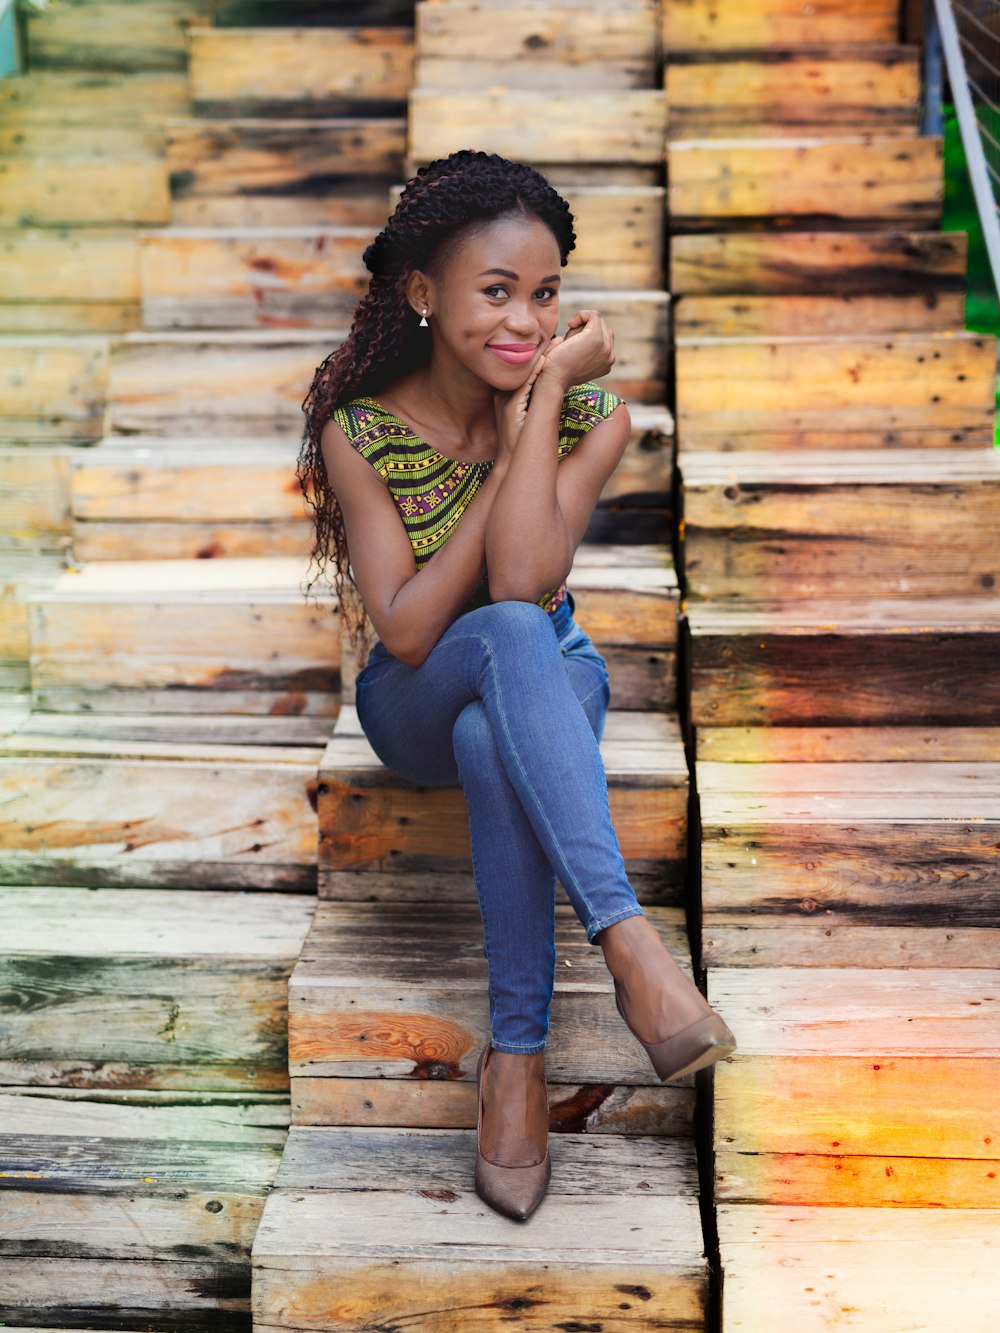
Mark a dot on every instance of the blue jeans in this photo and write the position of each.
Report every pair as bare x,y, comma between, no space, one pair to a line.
513,713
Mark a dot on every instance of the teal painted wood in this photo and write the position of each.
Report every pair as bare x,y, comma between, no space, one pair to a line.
9,62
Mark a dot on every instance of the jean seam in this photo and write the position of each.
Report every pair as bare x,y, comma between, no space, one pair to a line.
603,922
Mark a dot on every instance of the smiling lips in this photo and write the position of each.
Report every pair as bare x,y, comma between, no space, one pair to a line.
516,353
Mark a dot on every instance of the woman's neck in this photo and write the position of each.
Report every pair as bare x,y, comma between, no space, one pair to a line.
453,411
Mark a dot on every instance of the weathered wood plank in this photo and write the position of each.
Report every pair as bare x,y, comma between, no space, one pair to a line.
79,34
916,390
704,25
52,388
21,573
734,939
896,1270
841,523
83,191
842,90
304,71
847,177
873,661
283,172
90,96
821,263
77,265
623,126
34,499
834,316
837,744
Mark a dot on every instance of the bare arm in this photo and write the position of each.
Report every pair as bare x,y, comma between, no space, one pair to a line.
410,609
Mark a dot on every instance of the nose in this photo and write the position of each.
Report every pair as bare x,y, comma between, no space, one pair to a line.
522,319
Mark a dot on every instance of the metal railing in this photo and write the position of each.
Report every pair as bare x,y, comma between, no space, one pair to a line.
965,35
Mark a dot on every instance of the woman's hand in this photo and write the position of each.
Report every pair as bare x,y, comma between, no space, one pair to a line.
585,353
512,408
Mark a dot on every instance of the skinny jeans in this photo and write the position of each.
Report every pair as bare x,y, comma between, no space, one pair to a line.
512,711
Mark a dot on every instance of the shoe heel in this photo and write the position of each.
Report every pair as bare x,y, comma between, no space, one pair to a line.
702,1043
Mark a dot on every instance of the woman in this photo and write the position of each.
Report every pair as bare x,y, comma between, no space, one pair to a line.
455,449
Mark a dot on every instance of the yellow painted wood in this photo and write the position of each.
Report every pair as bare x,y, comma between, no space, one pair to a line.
804,316
894,1269
298,67
836,91
83,191
539,127
916,390
831,263
725,25
72,97
109,36
844,177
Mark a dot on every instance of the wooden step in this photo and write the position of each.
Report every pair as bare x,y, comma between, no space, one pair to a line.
64,280
87,190
21,573
90,97
156,498
843,89
34,499
299,71
869,178
832,316
378,1225
185,636
310,13
870,661
245,382
818,263
388,1012
867,856
914,1053
575,48
894,1269
109,36
138,814
543,128
126,995
198,278
841,523
866,391
52,388
383,838
124,1214
279,172
704,25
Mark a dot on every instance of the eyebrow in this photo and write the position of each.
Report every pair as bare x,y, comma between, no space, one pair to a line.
506,273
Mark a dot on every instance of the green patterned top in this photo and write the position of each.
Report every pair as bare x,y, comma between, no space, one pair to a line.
431,491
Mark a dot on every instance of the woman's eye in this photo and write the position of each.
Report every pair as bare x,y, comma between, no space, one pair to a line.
496,291
546,293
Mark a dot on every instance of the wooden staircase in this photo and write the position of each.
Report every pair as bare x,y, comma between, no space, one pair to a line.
245,987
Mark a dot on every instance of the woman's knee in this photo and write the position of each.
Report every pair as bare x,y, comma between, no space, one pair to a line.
472,739
516,624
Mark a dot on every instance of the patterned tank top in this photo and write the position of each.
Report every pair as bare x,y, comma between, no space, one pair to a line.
432,492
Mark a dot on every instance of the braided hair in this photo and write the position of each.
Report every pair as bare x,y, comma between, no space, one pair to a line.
385,343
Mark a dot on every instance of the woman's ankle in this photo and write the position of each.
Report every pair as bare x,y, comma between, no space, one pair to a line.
515,1109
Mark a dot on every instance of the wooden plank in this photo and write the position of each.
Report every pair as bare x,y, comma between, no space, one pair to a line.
620,236
83,191
840,523
281,172
825,180
68,265
539,127
820,263
562,49
144,821
836,744
34,499
204,279
107,36
896,1270
833,316
469,1258
210,729
52,388
113,1005
915,390
397,992
705,25
252,381
94,98
734,939
304,71
874,661
21,573
839,90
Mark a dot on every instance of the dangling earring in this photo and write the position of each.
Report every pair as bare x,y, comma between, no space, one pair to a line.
423,320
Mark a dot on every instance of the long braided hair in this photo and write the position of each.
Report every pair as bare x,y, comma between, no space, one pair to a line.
385,341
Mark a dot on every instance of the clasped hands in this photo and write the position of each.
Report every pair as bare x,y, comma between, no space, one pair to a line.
585,352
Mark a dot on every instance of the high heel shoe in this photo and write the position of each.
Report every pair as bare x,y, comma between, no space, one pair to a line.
515,1191
696,1046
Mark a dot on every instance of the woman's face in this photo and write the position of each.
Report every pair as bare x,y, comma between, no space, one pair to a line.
495,299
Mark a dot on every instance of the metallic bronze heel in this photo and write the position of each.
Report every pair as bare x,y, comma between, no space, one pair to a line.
697,1046
515,1191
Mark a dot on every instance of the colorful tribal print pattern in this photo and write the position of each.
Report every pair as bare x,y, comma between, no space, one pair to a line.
431,491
